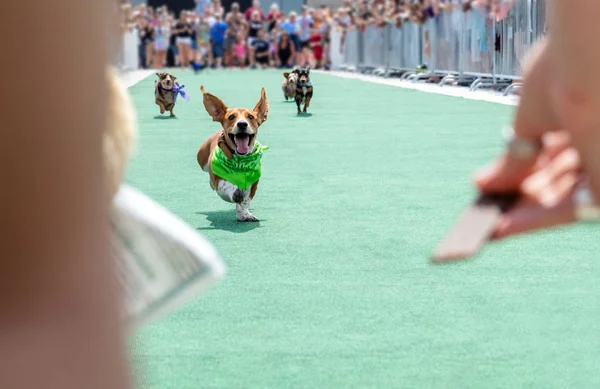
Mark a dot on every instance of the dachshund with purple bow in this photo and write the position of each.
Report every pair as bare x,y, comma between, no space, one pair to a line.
166,90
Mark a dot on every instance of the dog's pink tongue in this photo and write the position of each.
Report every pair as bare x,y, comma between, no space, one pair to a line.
242,143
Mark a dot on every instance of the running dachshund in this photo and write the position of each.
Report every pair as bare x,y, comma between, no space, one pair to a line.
304,89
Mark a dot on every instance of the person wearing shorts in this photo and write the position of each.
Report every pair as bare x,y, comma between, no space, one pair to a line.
161,35
217,38
183,40
254,26
261,50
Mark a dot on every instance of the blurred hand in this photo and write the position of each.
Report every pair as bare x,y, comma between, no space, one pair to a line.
547,180
547,192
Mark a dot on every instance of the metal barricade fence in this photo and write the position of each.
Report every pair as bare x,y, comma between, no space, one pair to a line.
405,53
351,48
472,47
375,48
515,39
448,35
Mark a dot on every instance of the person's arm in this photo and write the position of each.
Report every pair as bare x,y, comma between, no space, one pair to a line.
573,23
59,318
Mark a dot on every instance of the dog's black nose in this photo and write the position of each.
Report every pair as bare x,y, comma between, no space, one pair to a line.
242,125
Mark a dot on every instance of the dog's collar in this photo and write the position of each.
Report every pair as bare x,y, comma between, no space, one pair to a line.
224,146
307,85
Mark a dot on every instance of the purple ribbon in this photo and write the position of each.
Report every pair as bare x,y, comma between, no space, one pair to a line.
178,90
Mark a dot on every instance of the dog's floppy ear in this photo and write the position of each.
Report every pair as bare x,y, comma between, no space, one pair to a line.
262,107
215,107
160,75
296,71
286,75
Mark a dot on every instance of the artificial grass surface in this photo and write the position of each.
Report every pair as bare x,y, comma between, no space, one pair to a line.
333,289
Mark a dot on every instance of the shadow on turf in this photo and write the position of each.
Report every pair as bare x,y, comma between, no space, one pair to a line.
161,117
304,115
225,220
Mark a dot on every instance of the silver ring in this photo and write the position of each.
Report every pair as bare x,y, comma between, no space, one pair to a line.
518,147
586,208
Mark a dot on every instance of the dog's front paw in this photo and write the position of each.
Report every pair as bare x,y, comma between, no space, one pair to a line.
162,110
247,217
304,110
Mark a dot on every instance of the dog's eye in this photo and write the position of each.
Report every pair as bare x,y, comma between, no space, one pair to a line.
251,117
231,117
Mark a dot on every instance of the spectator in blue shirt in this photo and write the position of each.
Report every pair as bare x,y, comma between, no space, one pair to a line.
292,27
217,37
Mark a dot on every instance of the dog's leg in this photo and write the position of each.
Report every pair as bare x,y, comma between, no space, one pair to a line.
307,99
162,107
232,194
241,209
227,191
171,111
242,212
298,102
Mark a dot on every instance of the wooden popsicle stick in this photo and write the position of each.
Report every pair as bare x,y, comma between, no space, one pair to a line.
474,227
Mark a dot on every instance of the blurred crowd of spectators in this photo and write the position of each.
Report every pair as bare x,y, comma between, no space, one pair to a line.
209,35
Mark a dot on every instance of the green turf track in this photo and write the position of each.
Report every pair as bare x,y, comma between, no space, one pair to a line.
333,289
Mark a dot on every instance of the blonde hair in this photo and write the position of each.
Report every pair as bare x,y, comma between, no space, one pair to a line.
119,135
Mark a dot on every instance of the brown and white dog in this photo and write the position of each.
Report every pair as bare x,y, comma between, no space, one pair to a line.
237,137
289,85
164,93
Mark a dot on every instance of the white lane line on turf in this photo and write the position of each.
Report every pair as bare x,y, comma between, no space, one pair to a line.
130,78
447,90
